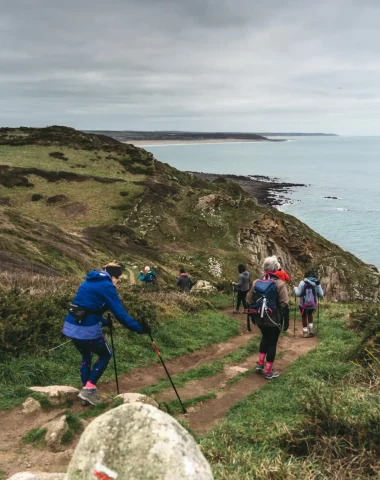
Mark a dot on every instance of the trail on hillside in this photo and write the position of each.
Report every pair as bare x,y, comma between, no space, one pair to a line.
132,280
144,376
205,415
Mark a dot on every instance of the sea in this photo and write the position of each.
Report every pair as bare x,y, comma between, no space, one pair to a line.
344,167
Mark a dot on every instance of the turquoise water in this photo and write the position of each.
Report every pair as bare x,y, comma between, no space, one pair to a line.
344,167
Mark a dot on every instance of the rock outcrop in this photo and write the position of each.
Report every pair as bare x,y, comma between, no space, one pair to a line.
57,394
54,433
204,287
137,442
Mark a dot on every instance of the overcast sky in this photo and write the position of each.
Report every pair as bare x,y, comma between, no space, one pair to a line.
211,65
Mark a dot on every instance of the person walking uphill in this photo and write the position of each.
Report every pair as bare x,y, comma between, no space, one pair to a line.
184,282
148,276
269,309
84,322
309,290
242,286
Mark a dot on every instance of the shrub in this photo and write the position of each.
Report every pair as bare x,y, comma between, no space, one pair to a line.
36,197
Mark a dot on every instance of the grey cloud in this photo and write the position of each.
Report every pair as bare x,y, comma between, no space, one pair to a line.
202,64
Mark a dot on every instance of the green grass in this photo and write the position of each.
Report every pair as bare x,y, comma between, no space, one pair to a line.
94,411
174,407
250,443
75,426
35,436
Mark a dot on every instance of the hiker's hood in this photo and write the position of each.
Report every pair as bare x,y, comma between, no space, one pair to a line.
96,276
185,275
313,281
245,274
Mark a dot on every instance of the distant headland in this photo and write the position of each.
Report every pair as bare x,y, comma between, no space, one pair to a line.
184,136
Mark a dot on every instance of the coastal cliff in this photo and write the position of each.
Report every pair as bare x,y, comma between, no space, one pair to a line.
70,201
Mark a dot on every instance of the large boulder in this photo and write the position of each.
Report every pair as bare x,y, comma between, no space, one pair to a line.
37,476
54,433
204,287
137,397
137,442
57,394
31,406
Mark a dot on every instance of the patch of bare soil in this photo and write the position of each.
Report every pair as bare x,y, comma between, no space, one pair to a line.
16,456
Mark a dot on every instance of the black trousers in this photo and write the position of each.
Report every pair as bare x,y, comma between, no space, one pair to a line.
241,299
269,341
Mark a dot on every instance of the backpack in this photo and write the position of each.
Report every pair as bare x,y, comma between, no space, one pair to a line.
266,301
153,278
309,297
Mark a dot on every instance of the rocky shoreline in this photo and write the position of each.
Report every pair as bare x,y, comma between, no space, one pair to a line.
267,191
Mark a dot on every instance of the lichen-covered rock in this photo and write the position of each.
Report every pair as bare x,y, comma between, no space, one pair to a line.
137,397
55,431
57,394
31,406
138,442
37,476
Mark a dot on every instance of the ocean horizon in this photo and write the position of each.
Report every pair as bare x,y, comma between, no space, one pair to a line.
344,167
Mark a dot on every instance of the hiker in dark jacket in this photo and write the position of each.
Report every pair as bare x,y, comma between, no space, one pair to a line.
184,282
84,322
308,303
270,324
148,276
242,287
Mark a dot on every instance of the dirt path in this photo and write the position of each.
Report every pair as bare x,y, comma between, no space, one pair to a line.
131,277
142,377
205,415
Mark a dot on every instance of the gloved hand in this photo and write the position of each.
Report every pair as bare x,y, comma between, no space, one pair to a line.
145,327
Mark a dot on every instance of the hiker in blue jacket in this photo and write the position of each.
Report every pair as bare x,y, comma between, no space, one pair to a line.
148,276
309,290
84,322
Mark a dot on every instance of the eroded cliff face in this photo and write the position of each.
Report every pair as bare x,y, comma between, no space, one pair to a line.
343,276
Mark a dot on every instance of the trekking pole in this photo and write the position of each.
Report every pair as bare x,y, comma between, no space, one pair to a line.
319,303
233,298
295,313
113,352
166,370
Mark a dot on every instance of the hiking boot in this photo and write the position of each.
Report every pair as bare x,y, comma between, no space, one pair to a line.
89,395
84,403
311,333
259,367
305,334
272,374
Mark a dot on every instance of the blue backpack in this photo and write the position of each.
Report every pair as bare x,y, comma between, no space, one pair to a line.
266,301
309,299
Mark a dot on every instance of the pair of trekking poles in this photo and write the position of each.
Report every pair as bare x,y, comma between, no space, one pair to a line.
156,350
295,314
110,324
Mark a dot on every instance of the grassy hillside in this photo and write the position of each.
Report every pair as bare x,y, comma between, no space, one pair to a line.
70,200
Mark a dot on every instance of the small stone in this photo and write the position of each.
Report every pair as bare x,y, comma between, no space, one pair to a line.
137,397
55,431
57,394
31,406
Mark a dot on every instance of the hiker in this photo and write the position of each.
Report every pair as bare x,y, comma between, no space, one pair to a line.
242,287
84,322
308,290
269,309
148,276
184,282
